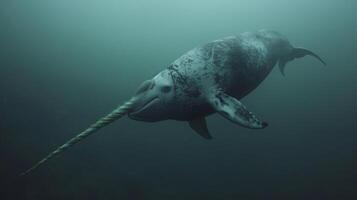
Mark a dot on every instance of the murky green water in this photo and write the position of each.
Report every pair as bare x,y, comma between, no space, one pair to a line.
65,63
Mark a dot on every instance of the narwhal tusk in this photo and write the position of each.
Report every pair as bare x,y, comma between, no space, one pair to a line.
111,117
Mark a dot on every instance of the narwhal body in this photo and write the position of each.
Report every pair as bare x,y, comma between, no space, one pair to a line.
209,79
213,78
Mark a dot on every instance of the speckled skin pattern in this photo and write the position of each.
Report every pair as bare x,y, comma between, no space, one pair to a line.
233,65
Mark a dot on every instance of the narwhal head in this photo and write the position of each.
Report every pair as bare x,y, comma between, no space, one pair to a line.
153,99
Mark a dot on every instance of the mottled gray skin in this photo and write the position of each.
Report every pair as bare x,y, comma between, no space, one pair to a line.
212,78
235,65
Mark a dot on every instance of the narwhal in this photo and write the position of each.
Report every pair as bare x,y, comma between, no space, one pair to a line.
211,78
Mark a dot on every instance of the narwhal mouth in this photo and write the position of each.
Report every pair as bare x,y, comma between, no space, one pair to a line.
136,114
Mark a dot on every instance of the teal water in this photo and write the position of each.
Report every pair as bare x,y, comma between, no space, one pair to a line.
64,63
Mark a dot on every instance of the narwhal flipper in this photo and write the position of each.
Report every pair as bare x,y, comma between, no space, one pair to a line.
297,53
235,111
199,125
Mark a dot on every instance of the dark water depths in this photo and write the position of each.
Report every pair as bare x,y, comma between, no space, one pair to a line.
65,63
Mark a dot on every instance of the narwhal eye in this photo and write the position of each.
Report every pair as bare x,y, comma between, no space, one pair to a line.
165,89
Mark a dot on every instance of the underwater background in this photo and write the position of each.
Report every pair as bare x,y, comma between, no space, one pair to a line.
64,64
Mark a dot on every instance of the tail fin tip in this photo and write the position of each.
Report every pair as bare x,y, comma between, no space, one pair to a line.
297,53
301,52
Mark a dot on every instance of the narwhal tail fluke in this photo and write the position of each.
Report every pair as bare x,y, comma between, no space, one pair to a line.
111,117
297,53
